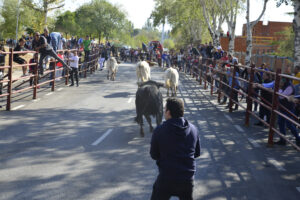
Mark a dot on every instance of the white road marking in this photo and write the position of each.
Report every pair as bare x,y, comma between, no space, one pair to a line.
253,142
18,107
50,93
228,117
239,128
100,139
60,89
276,164
36,100
129,100
298,188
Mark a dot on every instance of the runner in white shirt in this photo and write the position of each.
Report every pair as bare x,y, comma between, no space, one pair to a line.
74,60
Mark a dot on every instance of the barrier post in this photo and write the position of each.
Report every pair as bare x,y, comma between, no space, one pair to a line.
211,82
232,87
201,73
220,87
250,94
205,77
36,76
274,107
67,71
54,73
9,84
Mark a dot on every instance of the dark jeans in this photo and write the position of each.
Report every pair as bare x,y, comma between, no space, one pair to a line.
86,56
163,189
282,122
74,71
51,53
263,111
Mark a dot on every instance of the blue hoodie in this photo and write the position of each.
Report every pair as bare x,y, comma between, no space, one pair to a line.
175,144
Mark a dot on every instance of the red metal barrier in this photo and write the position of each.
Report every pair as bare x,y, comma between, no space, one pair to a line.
35,77
250,98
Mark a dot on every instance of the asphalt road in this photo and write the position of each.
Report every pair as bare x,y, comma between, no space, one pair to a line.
82,143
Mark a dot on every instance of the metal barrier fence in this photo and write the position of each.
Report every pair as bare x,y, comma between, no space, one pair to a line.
206,74
84,67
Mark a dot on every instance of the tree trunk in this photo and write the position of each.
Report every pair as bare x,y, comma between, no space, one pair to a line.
249,45
249,30
45,16
296,24
216,40
231,44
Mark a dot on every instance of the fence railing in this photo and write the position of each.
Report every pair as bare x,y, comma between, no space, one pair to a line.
207,74
36,80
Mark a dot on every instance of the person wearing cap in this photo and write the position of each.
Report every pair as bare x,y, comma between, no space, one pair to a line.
40,44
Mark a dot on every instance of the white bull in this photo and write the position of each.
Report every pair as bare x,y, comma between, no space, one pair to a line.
112,68
143,71
171,80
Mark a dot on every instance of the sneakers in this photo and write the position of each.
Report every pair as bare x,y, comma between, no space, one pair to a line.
71,85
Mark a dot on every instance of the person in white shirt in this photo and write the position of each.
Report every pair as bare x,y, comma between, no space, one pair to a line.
74,59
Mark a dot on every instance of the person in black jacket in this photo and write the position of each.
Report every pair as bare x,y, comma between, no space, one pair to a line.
174,145
17,58
266,99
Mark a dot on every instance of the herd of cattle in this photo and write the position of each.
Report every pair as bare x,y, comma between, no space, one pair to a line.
149,100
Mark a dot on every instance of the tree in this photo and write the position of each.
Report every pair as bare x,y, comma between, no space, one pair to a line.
185,18
250,26
296,27
99,18
66,23
286,43
44,6
214,17
231,9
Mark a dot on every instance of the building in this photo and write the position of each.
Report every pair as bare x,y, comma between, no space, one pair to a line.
263,36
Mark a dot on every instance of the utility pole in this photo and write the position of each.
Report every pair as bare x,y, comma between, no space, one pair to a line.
18,15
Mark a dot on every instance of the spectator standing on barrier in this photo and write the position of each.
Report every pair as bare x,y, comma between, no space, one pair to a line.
174,145
40,44
56,42
87,48
74,60
17,58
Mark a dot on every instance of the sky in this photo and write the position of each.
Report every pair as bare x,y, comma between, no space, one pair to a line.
138,11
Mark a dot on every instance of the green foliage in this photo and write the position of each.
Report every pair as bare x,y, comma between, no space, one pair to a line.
285,45
185,18
169,44
99,18
66,23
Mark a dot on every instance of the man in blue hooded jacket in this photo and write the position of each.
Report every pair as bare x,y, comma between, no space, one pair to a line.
175,144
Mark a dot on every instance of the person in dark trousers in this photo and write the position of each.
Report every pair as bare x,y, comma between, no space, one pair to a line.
40,44
74,60
17,58
266,99
174,145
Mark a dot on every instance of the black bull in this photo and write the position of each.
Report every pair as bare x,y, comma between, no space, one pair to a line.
149,101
